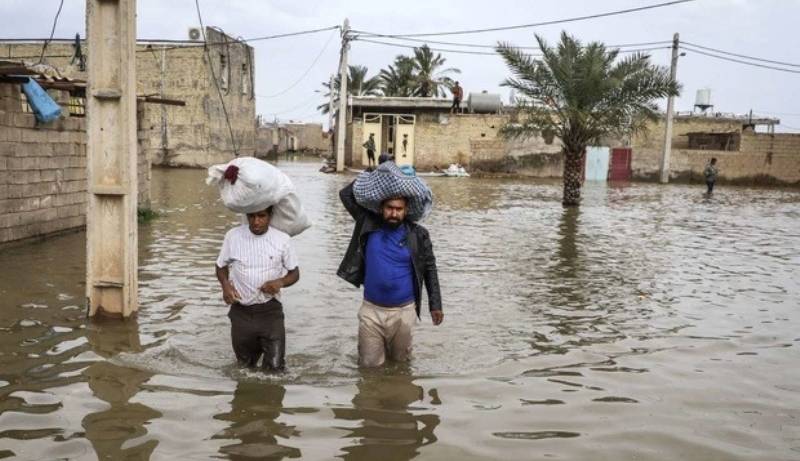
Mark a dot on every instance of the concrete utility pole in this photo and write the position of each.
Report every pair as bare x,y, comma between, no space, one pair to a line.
111,246
341,121
330,103
673,69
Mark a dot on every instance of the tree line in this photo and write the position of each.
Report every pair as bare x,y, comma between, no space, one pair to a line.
422,74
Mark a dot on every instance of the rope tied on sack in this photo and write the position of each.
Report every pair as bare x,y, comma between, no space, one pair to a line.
231,173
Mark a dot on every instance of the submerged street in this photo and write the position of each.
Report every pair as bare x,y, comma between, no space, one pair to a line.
651,320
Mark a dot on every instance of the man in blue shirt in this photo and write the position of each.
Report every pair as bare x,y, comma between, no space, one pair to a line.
392,257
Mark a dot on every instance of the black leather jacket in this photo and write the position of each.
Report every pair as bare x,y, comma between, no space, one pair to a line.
419,243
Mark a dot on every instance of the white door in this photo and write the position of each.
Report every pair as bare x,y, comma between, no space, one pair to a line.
404,140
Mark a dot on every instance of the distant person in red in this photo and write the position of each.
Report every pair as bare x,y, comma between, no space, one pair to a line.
458,95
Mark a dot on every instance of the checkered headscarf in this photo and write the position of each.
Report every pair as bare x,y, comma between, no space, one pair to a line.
387,181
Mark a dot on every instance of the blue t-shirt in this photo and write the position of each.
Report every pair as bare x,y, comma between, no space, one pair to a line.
389,279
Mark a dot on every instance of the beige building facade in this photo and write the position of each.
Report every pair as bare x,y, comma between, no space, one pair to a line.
473,140
192,135
278,138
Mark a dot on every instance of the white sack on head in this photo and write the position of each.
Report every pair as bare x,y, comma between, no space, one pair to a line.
248,185
372,188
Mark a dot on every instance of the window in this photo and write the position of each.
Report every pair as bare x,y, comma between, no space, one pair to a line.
714,141
223,71
245,79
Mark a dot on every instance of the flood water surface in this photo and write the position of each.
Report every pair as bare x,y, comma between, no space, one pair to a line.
653,323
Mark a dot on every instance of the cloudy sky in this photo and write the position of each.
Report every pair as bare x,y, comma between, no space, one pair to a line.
764,29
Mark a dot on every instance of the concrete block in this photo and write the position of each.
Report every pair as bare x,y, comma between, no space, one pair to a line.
24,177
35,136
74,186
23,120
76,161
72,174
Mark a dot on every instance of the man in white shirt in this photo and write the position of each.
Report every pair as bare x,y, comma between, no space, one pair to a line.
255,262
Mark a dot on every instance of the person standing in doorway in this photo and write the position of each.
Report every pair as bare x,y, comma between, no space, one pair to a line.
392,257
370,146
710,174
255,263
458,95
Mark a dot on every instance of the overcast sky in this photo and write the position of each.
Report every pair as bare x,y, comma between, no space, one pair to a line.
762,28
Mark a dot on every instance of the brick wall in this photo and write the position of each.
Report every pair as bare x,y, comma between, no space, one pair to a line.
43,178
761,158
194,135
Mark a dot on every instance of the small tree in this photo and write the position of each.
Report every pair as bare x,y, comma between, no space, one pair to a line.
582,94
430,81
357,85
398,79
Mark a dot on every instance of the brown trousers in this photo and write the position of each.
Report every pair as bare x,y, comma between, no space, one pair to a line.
382,331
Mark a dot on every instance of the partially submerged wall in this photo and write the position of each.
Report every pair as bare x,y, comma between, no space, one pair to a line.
43,179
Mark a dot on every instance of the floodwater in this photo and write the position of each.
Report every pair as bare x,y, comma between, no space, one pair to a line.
653,323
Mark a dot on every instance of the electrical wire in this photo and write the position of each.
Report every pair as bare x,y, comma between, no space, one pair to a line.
291,34
478,45
214,77
548,23
782,63
724,58
487,53
400,45
302,104
52,32
300,79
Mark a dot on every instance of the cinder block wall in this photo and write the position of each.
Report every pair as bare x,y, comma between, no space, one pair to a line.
761,158
195,135
43,178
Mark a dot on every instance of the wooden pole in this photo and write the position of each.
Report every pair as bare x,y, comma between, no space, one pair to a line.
673,70
341,122
111,246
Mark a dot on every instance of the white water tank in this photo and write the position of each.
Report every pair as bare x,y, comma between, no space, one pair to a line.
703,98
484,103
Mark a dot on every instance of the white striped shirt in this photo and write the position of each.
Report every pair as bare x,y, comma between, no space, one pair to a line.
254,260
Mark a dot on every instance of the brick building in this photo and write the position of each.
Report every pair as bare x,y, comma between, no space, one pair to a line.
197,133
436,138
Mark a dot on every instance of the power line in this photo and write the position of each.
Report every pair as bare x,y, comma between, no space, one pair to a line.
300,79
291,34
782,63
747,63
487,53
548,23
302,104
478,45
400,45
52,32
214,77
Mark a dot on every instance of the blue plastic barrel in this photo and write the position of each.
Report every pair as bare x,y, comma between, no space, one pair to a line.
44,108
408,170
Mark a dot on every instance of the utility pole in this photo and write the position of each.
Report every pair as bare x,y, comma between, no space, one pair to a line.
673,69
330,104
342,120
111,233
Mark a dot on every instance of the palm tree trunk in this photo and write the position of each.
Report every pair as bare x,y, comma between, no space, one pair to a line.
573,177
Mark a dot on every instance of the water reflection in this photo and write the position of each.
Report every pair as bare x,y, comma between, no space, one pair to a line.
387,426
119,431
255,408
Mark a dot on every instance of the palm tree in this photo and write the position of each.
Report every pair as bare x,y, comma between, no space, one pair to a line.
357,85
399,78
430,81
582,94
